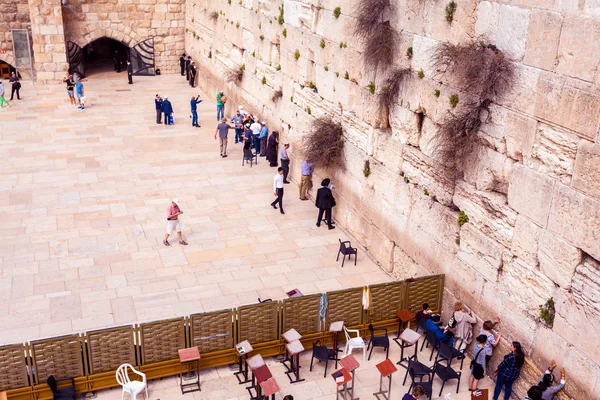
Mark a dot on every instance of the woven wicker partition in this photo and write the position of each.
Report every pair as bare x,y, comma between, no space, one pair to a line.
387,299
258,323
61,357
302,314
107,349
161,340
13,372
212,331
427,289
345,305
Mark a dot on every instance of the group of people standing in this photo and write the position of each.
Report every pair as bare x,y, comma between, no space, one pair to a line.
459,331
188,69
75,90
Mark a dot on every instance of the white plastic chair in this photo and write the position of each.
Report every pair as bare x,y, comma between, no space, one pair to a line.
355,342
129,386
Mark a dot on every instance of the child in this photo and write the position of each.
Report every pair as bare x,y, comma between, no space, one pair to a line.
478,364
492,341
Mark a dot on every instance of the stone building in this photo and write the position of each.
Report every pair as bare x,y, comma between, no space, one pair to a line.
531,192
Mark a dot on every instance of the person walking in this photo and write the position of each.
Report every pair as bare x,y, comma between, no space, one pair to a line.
463,330
239,126
255,126
79,93
478,364
192,74
222,130
220,105
187,68
264,133
285,161
325,202
182,64
167,109
509,370
305,181
68,79
2,99
16,86
173,224
129,72
546,382
158,103
272,144
194,107
278,190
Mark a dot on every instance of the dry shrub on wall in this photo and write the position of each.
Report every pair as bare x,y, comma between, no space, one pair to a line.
276,95
325,144
484,74
388,96
234,75
373,27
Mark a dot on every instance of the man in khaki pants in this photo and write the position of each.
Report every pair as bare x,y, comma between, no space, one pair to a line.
305,181
223,129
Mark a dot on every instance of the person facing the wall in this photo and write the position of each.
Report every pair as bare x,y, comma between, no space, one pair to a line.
509,370
546,382
305,180
464,320
478,365
263,135
182,64
492,341
187,68
325,202
272,144
193,74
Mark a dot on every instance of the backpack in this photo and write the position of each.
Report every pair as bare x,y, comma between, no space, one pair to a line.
452,322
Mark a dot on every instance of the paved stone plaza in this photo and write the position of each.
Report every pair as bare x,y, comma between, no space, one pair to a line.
84,196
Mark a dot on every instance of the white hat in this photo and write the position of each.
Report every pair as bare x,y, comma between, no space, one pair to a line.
255,117
241,107
263,123
176,201
166,97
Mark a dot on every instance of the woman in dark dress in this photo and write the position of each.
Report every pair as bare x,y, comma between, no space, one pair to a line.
272,145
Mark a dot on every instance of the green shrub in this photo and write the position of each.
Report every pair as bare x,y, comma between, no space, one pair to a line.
280,19
371,87
421,74
548,312
326,68
450,9
264,80
237,25
337,12
337,74
367,169
436,93
278,68
346,75
453,100
463,218
262,37
312,85
253,54
426,192
322,44
308,111
409,52
284,33
297,54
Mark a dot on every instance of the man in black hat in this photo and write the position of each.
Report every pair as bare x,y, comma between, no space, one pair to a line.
187,68
182,64
325,202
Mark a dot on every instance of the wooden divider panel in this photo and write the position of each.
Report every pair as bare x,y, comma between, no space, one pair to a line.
212,331
302,314
61,357
345,305
107,349
161,340
387,299
258,323
13,371
426,289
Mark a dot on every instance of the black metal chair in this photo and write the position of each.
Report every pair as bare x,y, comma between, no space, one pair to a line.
430,339
321,353
419,370
66,393
449,353
427,386
422,324
250,157
445,374
346,249
264,301
378,341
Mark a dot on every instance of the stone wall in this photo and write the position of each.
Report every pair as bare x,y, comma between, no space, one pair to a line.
531,193
130,22
14,15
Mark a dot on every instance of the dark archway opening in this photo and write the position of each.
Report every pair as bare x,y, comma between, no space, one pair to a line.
105,55
6,69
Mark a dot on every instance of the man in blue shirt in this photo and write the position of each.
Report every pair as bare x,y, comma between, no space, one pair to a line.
264,132
167,109
193,104
305,182
79,93
158,105
237,121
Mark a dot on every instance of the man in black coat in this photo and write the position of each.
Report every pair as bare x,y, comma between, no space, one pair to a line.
325,202
187,68
129,72
182,64
192,74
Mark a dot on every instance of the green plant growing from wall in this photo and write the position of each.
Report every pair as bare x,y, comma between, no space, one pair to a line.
284,33
229,2
337,74
326,68
453,100
346,75
463,218
237,25
324,145
337,12
450,10
312,85
292,99
426,192
296,54
548,312
421,74
253,54
308,110
214,15
264,80
371,87
280,19
322,44
277,95
262,37
436,93
260,25
367,169
409,52
278,67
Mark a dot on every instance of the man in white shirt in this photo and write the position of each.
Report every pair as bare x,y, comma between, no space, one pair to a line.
278,190
255,128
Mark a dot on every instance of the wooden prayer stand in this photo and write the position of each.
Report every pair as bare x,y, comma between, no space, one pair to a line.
404,316
289,337
349,363
342,385
386,369
242,350
408,338
294,349
262,374
484,395
335,328
269,388
186,356
254,363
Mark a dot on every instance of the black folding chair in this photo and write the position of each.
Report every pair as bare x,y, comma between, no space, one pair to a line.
445,374
449,353
321,353
430,339
419,370
427,386
65,393
346,249
378,340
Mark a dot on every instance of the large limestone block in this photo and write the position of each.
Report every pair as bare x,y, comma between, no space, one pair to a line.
561,102
576,217
357,132
576,57
542,39
388,150
493,170
586,286
558,258
525,240
480,252
423,50
435,219
487,211
503,25
586,174
530,193
248,41
462,27
464,282
405,267
493,132
520,135
427,174
299,14
521,96
409,16
554,152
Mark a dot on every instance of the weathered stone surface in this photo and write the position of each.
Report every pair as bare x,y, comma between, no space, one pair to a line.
586,173
553,153
529,193
558,259
576,217
421,170
586,286
504,25
525,240
542,39
576,57
480,252
520,135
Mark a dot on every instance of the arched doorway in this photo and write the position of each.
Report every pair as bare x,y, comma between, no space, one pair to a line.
105,54
6,69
